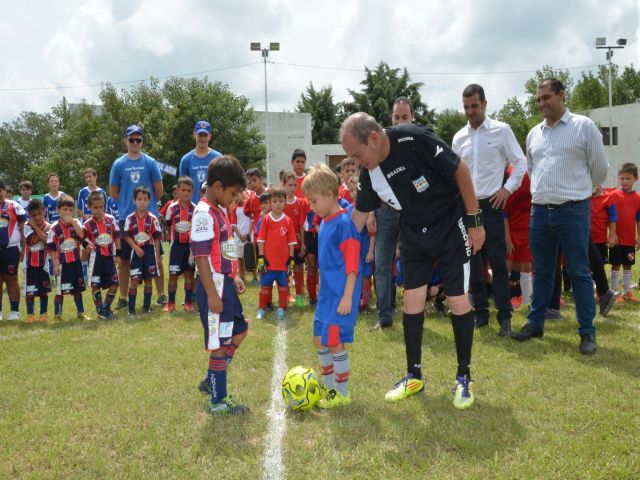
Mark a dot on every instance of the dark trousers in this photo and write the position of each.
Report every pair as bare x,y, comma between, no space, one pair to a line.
388,221
495,251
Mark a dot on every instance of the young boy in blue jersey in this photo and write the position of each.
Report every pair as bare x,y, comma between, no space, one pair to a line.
50,200
340,284
213,249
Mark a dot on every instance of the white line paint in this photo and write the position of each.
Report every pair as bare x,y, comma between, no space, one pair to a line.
273,463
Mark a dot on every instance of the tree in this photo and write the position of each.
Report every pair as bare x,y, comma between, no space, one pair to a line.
381,87
448,122
626,87
589,93
513,113
324,112
531,85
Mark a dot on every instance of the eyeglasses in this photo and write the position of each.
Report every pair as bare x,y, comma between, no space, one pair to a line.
134,140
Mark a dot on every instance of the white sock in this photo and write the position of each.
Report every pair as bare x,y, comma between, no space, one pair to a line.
615,275
525,286
626,280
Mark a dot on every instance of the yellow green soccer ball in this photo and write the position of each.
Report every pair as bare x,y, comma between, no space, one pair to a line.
300,389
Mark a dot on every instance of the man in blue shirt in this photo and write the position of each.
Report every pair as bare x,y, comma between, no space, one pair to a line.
132,170
195,163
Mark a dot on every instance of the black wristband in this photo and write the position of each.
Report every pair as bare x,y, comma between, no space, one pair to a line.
473,220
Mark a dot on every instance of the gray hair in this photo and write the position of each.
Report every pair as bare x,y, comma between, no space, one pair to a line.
359,126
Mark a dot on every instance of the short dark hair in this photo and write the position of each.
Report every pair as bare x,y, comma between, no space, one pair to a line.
25,184
35,204
404,101
629,167
555,83
472,89
277,192
298,152
141,189
254,172
184,180
94,197
359,126
227,170
347,161
265,197
65,201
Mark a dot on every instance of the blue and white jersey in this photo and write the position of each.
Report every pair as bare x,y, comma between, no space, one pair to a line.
112,208
127,174
51,207
83,197
196,167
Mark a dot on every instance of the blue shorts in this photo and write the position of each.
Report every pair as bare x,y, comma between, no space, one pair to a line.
332,335
9,259
368,269
179,259
37,281
101,271
231,321
278,276
71,279
144,267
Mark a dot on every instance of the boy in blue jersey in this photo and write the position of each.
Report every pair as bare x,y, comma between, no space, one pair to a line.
340,284
195,163
50,199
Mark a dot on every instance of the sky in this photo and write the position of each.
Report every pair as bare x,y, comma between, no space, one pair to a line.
45,45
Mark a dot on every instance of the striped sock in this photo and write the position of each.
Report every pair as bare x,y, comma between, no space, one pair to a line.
217,375
146,300
231,351
326,368
341,364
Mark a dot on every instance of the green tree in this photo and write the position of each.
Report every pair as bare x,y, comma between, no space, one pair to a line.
589,93
531,86
381,87
324,112
626,87
513,113
448,122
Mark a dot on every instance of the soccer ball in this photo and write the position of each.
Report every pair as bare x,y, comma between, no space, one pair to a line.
300,389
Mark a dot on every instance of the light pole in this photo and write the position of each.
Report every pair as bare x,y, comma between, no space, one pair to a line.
601,43
273,47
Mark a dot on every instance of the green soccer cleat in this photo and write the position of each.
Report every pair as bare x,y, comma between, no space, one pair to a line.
300,301
405,388
463,393
227,406
334,399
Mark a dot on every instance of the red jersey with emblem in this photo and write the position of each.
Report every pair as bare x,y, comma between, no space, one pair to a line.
212,237
144,230
35,252
178,219
603,211
343,192
296,209
298,191
628,210
252,209
102,234
518,207
277,235
64,242
12,215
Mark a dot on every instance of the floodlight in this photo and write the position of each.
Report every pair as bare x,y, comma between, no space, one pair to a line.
601,41
274,46
255,46
621,42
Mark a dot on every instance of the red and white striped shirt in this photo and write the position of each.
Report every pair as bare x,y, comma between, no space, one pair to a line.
64,242
179,220
102,234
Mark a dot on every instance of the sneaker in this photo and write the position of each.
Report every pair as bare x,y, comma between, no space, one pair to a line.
552,314
516,302
31,318
101,313
147,310
43,318
122,303
162,300
188,307
57,318
14,316
636,285
227,406
108,314
204,386
606,301
280,314
261,314
334,399
629,297
300,301
463,393
405,388
169,307
83,317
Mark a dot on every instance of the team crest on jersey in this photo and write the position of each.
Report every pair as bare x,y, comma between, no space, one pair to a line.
103,240
421,184
202,225
228,249
202,176
4,223
183,227
135,176
283,231
37,247
68,245
141,237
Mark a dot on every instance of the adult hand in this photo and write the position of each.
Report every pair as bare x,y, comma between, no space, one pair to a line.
499,200
372,225
476,239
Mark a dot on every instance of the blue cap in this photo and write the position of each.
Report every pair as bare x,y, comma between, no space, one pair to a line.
131,129
202,126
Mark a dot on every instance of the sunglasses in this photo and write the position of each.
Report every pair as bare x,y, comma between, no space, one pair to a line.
134,140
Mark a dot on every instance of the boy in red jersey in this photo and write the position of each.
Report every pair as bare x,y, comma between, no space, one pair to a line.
296,209
103,234
12,218
64,245
178,217
213,249
276,242
347,170
604,217
627,203
298,165
37,279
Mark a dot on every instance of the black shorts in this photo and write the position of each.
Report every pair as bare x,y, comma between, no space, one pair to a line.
621,255
230,322
445,242
9,259
603,251
125,248
311,243
179,255
144,267
71,279
101,271
37,281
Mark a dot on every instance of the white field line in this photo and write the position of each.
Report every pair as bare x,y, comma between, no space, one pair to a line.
273,463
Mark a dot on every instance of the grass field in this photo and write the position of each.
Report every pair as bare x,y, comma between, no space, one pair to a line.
119,399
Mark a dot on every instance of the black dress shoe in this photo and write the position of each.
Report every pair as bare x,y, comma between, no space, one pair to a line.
481,319
505,327
527,333
588,343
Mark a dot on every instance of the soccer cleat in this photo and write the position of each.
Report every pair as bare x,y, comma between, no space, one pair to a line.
333,399
261,314
405,388
227,406
102,315
280,314
628,297
43,318
83,317
57,318
169,307
205,386
299,301
463,393
14,316
31,318
162,300
188,307
147,310
606,301
122,303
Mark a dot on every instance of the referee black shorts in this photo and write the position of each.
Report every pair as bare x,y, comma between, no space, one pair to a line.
446,242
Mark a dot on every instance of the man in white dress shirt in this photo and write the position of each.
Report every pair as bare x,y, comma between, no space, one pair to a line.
485,144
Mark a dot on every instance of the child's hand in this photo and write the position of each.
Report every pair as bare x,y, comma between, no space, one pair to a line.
344,308
240,287
303,250
612,241
510,246
369,258
139,252
215,304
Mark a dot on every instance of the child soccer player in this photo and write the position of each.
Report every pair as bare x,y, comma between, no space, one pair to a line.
50,199
213,249
347,170
178,217
64,245
37,281
26,189
253,206
103,234
367,249
298,164
627,203
91,177
12,218
142,232
276,242
340,284
241,231
296,209
604,217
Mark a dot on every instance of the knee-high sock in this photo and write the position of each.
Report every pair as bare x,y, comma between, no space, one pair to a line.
146,299
77,298
264,297
525,286
413,325
312,283
44,304
298,276
283,296
615,276
463,336
325,359
626,280
58,302
217,375
341,366
30,300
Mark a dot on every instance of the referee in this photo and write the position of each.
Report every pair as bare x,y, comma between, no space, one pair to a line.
413,171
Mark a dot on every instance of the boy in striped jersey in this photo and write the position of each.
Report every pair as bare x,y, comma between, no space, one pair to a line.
103,234
37,278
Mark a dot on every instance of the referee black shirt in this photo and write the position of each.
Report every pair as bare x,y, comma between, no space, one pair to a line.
417,178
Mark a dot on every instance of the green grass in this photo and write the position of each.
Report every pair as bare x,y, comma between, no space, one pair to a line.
119,399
